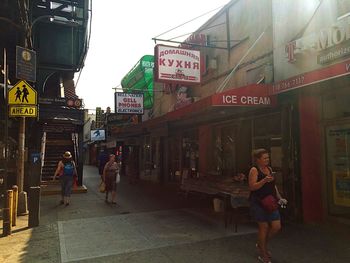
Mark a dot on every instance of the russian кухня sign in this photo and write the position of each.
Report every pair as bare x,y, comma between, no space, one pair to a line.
23,111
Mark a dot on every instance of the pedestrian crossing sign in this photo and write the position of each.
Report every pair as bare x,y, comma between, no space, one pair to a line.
22,94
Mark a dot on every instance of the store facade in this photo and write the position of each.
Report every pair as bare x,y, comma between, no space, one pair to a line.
311,67
209,129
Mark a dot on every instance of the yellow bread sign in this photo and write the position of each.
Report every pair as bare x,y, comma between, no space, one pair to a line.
23,111
22,94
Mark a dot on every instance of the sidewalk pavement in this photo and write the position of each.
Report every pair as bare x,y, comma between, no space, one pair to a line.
154,223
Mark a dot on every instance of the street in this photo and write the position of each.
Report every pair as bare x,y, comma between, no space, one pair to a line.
152,223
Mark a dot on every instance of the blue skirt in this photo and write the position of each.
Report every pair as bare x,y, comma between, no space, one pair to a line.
260,215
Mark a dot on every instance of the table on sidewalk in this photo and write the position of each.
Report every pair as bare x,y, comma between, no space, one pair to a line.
234,194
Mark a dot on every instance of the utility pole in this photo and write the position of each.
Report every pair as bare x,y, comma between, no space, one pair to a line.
22,196
6,118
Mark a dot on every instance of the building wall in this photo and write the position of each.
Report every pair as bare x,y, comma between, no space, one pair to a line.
246,22
163,102
306,36
307,23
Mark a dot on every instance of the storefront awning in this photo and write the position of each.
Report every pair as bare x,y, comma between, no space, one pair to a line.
212,108
254,95
234,100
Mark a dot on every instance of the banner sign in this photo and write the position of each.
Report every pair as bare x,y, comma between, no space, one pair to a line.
308,78
251,95
177,65
128,103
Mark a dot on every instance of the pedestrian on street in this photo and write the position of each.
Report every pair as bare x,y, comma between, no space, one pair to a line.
102,160
67,172
264,200
110,177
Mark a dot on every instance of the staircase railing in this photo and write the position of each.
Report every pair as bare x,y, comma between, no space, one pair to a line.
75,148
42,154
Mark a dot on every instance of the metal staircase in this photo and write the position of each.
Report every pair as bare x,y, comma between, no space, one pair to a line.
55,146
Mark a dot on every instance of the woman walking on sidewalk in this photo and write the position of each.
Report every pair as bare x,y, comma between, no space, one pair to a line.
263,202
110,174
66,169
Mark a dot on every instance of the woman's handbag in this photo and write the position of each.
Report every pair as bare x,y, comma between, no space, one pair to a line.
102,187
269,203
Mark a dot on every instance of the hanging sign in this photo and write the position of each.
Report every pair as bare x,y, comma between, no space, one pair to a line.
177,65
129,103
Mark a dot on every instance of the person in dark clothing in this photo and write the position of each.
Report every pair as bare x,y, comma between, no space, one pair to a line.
262,185
132,167
102,160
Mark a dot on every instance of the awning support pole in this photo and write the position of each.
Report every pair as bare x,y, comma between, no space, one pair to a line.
226,80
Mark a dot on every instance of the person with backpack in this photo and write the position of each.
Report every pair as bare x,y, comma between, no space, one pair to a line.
66,169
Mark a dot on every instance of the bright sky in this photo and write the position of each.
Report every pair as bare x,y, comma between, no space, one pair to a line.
122,33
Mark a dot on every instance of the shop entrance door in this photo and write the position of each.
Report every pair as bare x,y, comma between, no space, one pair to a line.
338,169
278,134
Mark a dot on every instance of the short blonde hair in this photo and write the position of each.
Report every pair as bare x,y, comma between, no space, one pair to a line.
257,153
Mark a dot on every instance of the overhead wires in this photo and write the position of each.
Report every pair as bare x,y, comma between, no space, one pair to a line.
189,21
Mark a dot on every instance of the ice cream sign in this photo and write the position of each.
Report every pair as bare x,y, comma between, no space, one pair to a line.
251,95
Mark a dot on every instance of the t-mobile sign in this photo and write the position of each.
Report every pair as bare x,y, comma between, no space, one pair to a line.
128,103
177,65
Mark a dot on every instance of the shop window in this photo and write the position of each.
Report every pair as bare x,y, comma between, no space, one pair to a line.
338,169
224,160
175,158
267,135
267,125
190,152
336,105
147,152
